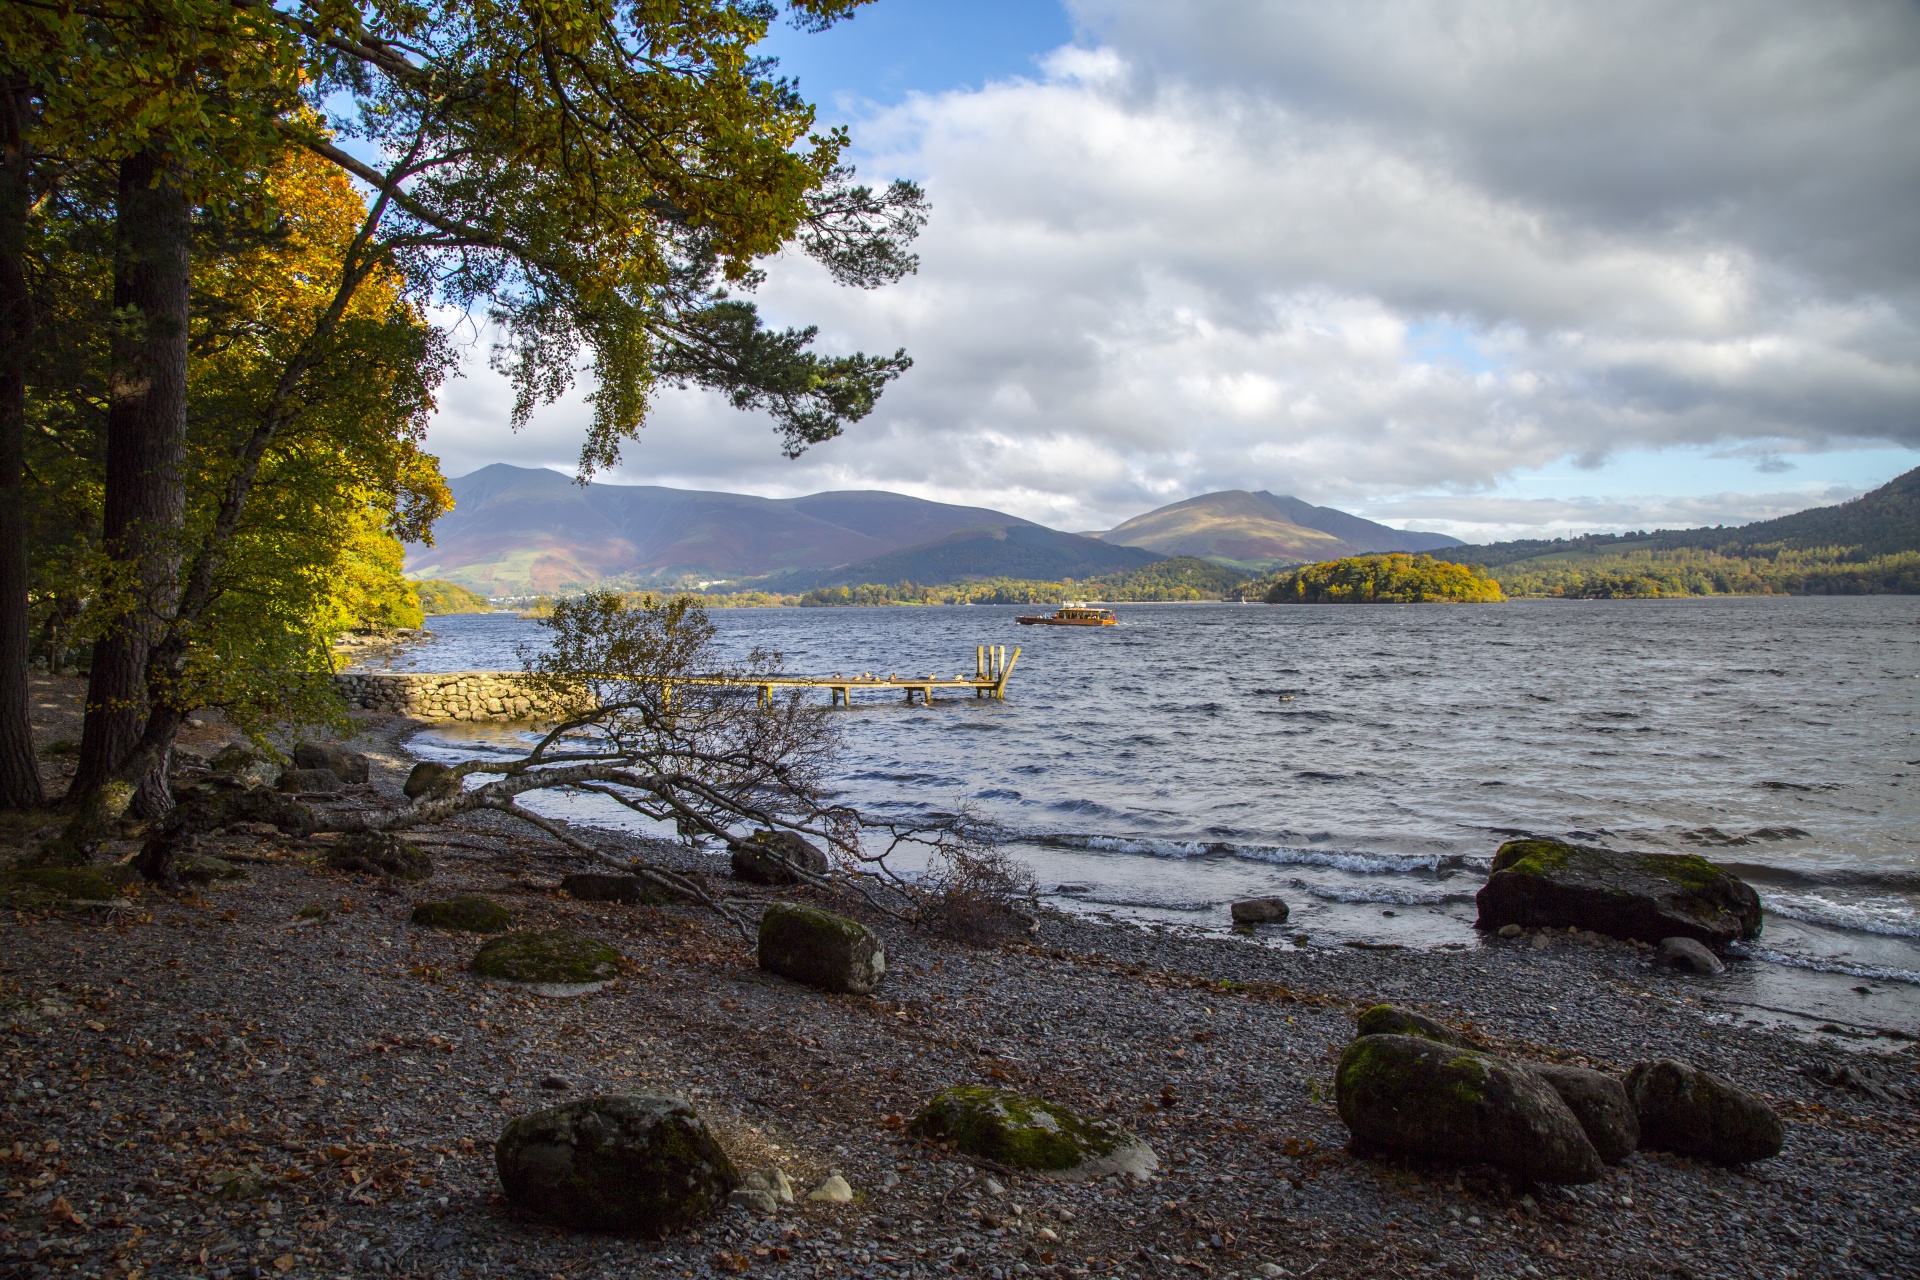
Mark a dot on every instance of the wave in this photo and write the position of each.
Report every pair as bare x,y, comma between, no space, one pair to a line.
1872,972
1355,861
1381,893
1892,917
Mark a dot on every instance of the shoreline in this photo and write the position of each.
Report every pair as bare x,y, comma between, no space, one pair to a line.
358,1076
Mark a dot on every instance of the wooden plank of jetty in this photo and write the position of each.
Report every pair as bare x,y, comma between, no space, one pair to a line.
992,667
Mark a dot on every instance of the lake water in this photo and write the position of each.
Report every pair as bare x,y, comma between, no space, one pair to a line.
1365,762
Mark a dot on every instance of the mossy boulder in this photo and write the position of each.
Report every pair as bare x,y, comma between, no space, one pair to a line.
1029,1133
1600,1103
380,853
35,888
1258,911
224,801
348,766
1642,896
769,857
205,868
632,1164
820,949
1392,1020
1696,1113
240,763
548,957
468,912
1418,1097
318,782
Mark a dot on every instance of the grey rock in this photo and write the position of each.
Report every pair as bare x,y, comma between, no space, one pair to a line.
820,949
1031,1133
1391,1020
319,782
1696,1113
1510,930
1685,953
634,1164
1600,1103
348,766
755,1200
600,886
1415,1096
380,853
432,780
770,857
1259,911
203,868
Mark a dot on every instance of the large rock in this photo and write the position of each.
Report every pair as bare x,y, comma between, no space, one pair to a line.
1643,896
601,886
1685,953
468,912
1030,1133
1392,1020
319,782
1258,911
1600,1103
380,853
548,957
1419,1097
431,779
223,802
637,1165
348,766
241,763
821,949
33,888
770,856
1682,1108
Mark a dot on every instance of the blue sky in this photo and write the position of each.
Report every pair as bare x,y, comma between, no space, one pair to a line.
1435,261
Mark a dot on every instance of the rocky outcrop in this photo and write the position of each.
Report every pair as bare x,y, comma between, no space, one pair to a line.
1418,1097
348,766
820,949
1030,1133
1696,1113
1258,911
632,1164
770,856
1600,1103
468,913
1640,896
548,957
1391,1020
380,853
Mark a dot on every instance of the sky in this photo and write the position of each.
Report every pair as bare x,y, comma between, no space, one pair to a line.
1493,268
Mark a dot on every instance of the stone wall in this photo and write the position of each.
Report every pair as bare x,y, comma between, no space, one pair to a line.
442,695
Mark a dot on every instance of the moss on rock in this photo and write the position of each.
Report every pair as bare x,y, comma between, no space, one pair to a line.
31,888
381,853
632,1164
469,912
1022,1132
1391,1020
1418,1097
1644,896
546,956
1682,1108
820,949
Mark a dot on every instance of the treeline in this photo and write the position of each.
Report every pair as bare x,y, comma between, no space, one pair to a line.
222,227
1179,578
438,596
1383,579
1655,574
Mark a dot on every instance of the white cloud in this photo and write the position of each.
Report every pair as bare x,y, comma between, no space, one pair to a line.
1364,253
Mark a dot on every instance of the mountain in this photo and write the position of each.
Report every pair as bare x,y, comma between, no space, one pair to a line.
1261,530
520,531
1883,522
1007,550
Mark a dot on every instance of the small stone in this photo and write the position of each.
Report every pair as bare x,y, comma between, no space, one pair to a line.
755,1200
1685,953
1541,942
555,1082
772,1181
204,868
1270,1270
833,1191
1259,911
1047,1233
994,1188
1508,930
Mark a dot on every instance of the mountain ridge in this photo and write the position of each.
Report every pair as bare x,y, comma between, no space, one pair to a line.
1261,530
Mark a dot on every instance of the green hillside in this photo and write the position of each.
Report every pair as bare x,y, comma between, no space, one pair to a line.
1868,546
437,595
1178,578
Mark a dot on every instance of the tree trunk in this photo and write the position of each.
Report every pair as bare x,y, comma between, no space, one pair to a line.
145,499
19,772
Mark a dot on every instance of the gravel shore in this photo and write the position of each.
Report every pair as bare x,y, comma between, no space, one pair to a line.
216,1084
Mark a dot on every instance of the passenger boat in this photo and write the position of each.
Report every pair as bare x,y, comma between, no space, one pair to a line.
1073,614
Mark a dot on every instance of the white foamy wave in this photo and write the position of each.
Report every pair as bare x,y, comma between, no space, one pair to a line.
1382,893
1355,862
1874,972
1894,917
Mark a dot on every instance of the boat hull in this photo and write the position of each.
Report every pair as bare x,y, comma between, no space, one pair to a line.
1065,622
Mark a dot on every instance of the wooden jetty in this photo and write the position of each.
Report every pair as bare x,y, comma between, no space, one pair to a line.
992,665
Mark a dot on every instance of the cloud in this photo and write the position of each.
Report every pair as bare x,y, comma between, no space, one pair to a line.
1361,253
